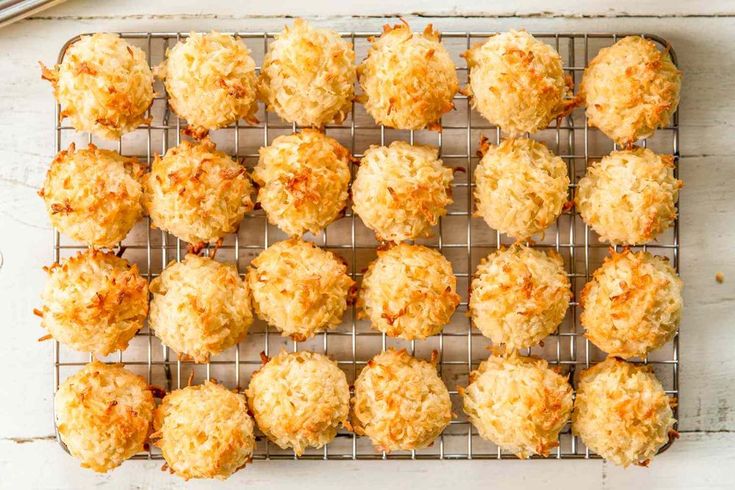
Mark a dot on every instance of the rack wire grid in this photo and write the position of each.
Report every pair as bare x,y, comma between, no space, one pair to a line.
461,237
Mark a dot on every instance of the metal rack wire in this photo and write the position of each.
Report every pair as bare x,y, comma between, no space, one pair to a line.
461,237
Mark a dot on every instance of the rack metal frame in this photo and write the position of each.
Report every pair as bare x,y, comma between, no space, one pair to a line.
572,138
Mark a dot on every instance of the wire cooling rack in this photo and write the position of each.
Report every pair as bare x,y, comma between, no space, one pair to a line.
462,238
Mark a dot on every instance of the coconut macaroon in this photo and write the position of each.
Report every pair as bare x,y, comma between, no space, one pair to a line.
303,179
308,75
400,191
630,89
211,81
517,82
632,305
299,288
622,412
409,291
400,402
200,307
629,197
94,302
299,400
519,295
197,193
103,85
518,403
103,415
93,196
204,431
408,79
521,187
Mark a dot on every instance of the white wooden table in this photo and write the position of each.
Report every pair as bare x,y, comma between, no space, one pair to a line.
703,35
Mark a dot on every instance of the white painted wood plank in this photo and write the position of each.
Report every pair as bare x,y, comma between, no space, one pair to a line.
704,46
696,461
707,337
224,9
26,362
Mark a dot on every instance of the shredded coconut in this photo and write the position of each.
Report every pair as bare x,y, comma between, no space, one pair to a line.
622,412
299,288
103,85
299,400
409,291
400,402
629,197
518,403
197,193
103,414
303,181
204,431
517,82
521,187
93,196
519,296
200,307
409,79
401,190
632,305
630,89
94,302
308,75
211,81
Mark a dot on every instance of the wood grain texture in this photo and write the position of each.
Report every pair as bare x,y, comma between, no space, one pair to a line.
223,9
704,46
698,461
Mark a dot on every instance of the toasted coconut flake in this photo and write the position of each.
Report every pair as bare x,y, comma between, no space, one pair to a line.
632,305
103,85
519,403
622,412
92,195
211,81
630,89
200,307
94,302
299,288
409,291
103,414
401,190
629,197
517,82
409,79
308,75
303,181
197,193
521,187
519,296
400,402
204,431
299,400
